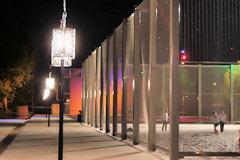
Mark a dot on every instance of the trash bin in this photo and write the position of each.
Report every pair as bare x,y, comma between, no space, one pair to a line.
80,116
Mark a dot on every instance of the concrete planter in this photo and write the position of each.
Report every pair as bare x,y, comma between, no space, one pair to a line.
22,110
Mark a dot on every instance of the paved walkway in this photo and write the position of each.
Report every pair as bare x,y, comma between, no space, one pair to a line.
37,141
4,131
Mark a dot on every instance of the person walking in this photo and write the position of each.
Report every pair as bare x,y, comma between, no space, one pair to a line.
215,119
165,120
222,119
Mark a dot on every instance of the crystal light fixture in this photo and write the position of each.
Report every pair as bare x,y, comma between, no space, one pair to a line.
50,82
63,45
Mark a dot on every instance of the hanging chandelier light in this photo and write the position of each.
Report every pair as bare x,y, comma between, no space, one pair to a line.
63,43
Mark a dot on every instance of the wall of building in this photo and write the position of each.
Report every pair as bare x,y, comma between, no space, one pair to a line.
75,95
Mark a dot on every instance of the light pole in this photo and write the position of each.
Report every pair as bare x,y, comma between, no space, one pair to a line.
62,53
50,85
45,96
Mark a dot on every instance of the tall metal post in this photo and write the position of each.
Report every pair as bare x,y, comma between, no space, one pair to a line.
136,80
98,67
232,96
49,115
88,92
199,92
124,80
173,88
102,90
108,88
46,112
60,140
152,58
92,63
115,85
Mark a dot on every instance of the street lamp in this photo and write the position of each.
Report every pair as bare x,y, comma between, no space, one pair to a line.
62,53
46,94
50,82
50,85
63,45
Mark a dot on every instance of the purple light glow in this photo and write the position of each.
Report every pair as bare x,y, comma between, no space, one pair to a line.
111,75
119,72
12,120
35,117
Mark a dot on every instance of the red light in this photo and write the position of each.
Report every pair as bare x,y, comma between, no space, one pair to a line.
183,57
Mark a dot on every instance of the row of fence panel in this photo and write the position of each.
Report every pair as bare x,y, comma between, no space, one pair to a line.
120,75
128,85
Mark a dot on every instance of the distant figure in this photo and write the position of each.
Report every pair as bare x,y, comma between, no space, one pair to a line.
222,119
165,120
215,120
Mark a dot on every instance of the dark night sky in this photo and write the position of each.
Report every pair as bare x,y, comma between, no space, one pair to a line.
94,20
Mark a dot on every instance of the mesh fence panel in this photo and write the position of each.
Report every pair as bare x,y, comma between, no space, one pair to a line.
236,91
98,84
128,73
104,78
188,80
110,80
203,88
214,95
88,90
92,88
160,69
215,92
143,56
118,54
